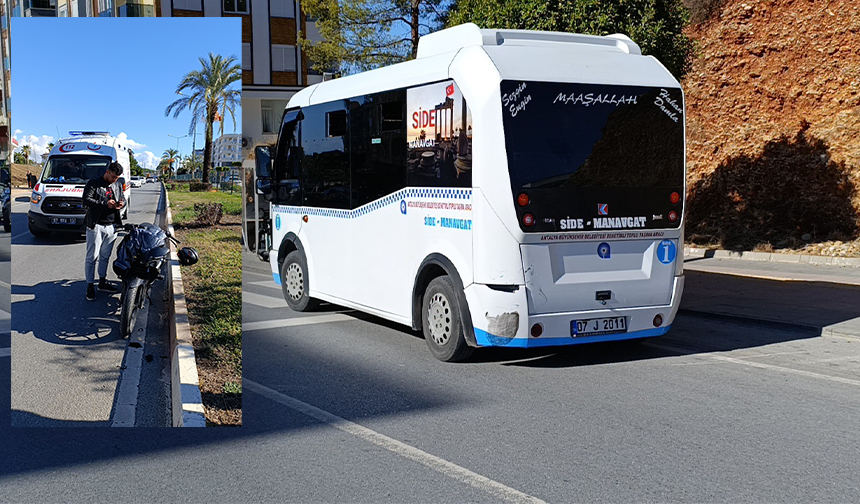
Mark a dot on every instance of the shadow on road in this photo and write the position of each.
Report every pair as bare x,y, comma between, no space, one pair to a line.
58,312
811,306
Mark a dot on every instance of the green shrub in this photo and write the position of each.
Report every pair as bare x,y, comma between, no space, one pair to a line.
197,186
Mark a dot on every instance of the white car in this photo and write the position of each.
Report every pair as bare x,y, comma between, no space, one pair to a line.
137,181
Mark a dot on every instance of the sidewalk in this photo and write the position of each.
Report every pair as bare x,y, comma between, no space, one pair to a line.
805,292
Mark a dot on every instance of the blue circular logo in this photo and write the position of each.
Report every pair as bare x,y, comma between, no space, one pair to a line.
403,207
603,251
277,222
666,252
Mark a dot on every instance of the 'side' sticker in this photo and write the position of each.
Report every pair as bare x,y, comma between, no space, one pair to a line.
666,252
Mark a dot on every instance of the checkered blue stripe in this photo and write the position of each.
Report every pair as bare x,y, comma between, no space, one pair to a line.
391,199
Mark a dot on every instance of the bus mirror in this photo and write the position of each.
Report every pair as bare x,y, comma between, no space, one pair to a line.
263,163
264,188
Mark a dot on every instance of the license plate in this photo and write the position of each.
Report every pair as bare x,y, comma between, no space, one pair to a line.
597,326
63,220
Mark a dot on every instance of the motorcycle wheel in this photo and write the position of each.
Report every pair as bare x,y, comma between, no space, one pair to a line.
129,301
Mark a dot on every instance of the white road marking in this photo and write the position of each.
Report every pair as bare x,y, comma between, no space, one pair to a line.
264,275
461,474
263,301
267,283
759,365
6,352
5,285
129,383
300,321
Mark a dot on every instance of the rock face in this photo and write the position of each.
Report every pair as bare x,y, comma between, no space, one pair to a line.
773,124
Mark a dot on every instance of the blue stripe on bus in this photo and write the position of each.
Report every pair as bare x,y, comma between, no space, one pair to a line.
277,278
486,339
391,199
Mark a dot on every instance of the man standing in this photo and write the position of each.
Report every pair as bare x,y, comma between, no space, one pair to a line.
104,198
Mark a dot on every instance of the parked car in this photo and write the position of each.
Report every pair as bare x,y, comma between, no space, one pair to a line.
137,181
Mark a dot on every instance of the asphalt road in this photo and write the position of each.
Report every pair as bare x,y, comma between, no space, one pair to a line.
67,352
342,407
718,410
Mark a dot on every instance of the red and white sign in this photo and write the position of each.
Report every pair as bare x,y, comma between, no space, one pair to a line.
67,147
77,191
93,147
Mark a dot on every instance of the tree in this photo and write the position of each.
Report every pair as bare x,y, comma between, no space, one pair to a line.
168,159
655,25
26,151
363,34
163,169
19,158
135,168
211,98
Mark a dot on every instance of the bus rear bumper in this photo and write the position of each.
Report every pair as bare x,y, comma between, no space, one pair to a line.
556,328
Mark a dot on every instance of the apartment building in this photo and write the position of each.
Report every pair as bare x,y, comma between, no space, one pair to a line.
273,67
82,8
226,150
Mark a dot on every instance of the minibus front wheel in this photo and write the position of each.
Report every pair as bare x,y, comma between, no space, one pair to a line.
294,282
441,322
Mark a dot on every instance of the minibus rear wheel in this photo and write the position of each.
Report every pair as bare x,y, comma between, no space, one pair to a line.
441,322
294,282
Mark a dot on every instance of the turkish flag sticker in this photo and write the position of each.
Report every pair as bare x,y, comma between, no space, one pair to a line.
449,90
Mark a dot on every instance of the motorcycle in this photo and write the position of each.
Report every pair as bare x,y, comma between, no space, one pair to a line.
139,261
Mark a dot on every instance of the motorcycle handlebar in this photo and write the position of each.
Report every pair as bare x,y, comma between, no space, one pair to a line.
130,226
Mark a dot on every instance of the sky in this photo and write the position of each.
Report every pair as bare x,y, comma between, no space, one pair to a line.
112,74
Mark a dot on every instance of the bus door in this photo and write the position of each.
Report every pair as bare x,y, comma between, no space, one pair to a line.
325,198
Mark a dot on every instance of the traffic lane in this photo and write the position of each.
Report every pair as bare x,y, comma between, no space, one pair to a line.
670,424
242,466
65,368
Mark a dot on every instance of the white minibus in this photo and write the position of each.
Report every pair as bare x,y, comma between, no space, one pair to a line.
506,188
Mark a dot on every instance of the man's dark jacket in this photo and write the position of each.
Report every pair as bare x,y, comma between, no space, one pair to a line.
95,198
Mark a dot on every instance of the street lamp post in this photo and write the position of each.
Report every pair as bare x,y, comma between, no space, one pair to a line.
178,154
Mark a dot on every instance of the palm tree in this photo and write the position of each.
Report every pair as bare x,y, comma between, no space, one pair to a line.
169,157
26,150
211,98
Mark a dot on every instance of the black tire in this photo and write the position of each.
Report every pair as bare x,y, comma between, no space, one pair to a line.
263,246
129,301
294,282
37,232
441,322
7,224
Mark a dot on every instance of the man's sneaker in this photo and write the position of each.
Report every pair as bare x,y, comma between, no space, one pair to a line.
91,292
104,286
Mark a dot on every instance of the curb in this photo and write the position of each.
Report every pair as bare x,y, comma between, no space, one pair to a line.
184,384
851,262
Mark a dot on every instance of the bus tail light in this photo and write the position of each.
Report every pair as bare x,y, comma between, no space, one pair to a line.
528,220
537,330
673,216
675,198
658,320
523,199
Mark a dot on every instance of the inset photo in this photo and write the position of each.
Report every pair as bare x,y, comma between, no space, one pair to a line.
126,217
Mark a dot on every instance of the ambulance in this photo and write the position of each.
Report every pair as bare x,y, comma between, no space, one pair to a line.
56,204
